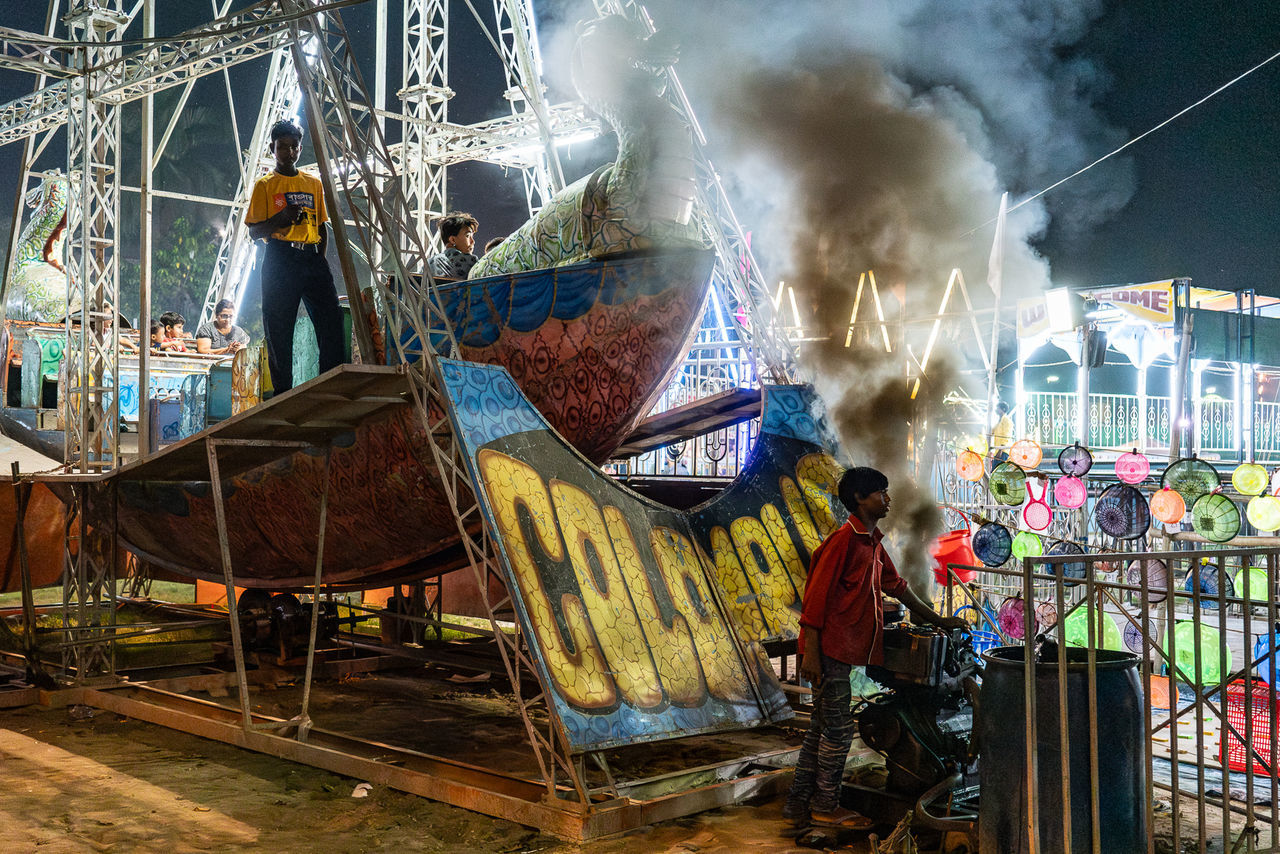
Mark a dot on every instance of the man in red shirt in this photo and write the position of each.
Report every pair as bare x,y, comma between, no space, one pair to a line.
841,626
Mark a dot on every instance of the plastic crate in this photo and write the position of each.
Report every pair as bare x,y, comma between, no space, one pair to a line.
1265,710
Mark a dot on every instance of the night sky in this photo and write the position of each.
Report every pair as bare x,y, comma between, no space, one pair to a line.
1200,198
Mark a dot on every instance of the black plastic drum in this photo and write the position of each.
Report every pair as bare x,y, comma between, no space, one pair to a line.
1001,730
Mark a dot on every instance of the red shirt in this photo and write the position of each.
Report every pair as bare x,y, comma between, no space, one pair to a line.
847,575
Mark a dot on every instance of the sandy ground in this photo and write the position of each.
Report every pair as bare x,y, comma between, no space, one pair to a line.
76,779
82,780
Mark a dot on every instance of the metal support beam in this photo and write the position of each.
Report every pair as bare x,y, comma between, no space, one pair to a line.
425,95
93,268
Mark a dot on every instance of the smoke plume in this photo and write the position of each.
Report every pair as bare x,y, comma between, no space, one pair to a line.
879,136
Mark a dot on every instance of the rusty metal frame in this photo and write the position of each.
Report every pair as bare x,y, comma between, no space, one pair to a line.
354,158
302,722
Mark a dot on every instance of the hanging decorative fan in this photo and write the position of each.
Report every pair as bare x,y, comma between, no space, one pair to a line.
1156,573
992,544
1075,460
1106,567
1105,636
1046,614
1191,477
1070,492
1132,467
1253,585
1249,479
1074,569
1263,512
969,466
1012,618
1037,514
1027,544
1167,506
1122,512
1211,581
1026,453
1133,637
1215,517
1007,483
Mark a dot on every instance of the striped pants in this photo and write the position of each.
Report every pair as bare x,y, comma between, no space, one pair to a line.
820,766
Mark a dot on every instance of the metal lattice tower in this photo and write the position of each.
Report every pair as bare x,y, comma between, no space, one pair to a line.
425,95
93,213
518,40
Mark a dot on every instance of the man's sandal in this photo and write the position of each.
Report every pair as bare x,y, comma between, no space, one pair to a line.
843,819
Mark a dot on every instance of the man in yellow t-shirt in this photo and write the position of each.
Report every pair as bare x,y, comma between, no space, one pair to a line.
1001,435
287,211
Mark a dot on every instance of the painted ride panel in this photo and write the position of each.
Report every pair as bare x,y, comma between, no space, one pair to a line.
592,345
623,619
761,530
603,339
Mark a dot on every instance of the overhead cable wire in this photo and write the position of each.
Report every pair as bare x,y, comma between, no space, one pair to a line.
1140,136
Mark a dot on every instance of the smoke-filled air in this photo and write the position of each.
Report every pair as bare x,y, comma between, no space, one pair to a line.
877,138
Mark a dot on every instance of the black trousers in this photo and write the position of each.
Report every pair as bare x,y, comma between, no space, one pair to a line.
289,277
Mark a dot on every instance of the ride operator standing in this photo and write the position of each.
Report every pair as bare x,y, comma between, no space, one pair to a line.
842,626
287,210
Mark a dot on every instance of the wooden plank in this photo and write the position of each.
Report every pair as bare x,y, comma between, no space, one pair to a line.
693,419
307,413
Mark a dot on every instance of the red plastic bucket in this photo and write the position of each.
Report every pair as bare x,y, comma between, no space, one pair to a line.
953,547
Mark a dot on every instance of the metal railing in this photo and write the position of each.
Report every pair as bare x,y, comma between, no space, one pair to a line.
1204,761
1121,421
715,364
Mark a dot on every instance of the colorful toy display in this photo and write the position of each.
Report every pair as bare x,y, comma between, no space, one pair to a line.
1007,483
1070,492
1075,461
1122,512
1167,506
1132,467
1037,513
1026,453
969,466
1249,479
1215,517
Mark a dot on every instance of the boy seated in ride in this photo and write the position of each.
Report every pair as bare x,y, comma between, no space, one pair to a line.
173,342
458,233
842,626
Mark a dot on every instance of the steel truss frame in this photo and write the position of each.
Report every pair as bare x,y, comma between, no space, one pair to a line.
93,213
345,131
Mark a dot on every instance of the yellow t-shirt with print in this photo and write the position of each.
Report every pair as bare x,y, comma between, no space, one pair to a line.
273,192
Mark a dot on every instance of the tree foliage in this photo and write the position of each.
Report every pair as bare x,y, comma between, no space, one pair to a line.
182,259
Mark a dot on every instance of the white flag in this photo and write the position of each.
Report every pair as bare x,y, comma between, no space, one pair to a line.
995,264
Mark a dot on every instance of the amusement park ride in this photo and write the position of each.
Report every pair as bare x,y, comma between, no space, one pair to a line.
470,432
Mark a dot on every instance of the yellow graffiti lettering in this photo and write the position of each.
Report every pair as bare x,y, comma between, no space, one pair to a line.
786,546
819,475
672,646
799,512
681,569
777,593
605,596
582,675
740,596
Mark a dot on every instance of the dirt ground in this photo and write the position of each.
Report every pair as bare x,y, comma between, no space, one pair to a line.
76,779
83,780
